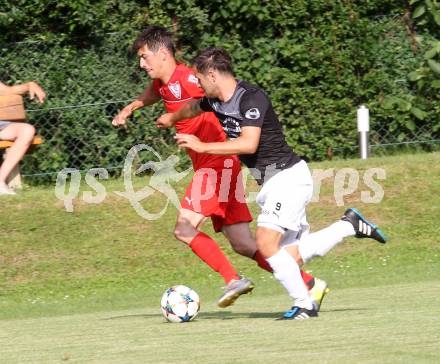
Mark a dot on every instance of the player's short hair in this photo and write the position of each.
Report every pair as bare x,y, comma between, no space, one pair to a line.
213,58
155,36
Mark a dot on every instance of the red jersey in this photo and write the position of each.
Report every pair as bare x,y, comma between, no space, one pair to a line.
183,86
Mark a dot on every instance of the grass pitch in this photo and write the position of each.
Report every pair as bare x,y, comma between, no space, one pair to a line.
85,286
387,324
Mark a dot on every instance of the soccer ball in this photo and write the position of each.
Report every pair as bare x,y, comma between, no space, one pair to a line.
180,304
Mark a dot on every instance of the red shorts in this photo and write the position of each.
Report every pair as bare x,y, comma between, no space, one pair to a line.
219,194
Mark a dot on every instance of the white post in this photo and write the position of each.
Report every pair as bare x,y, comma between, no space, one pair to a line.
363,125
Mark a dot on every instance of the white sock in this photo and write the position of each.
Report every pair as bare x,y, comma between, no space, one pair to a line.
322,241
286,271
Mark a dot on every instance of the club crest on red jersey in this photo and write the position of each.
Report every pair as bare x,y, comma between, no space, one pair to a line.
175,89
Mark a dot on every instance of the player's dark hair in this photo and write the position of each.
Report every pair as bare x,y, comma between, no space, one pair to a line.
155,36
213,58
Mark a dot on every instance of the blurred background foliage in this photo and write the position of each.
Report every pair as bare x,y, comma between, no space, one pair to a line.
318,60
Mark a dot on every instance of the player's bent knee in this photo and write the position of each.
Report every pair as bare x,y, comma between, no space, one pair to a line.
27,131
263,242
243,249
267,246
265,249
179,235
260,244
184,233
239,249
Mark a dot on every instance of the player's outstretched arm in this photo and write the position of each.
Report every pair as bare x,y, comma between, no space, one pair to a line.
246,143
33,88
190,110
148,97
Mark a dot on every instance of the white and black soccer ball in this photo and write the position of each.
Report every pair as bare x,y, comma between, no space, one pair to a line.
180,304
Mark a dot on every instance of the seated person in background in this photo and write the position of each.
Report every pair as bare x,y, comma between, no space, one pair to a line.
21,134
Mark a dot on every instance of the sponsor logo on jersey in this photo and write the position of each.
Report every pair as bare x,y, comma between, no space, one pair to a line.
231,127
253,114
231,113
175,89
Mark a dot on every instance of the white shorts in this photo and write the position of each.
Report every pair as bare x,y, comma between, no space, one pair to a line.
283,200
4,124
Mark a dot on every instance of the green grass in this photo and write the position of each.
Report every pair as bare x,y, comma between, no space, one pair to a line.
385,324
85,286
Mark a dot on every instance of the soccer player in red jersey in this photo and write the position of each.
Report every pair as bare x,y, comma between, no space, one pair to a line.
255,133
175,84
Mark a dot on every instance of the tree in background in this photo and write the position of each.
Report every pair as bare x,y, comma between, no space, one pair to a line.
319,60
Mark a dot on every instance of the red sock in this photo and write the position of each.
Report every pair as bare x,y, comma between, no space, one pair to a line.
262,263
208,250
308,279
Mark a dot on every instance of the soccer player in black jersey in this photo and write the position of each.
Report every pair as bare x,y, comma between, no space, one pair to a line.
255,134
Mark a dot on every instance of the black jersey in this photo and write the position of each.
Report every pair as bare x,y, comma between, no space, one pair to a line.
250,106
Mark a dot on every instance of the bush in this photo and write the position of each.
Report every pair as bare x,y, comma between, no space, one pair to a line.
318,61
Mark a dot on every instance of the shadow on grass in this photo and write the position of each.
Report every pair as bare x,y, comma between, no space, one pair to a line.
347,309
228,315
221,315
